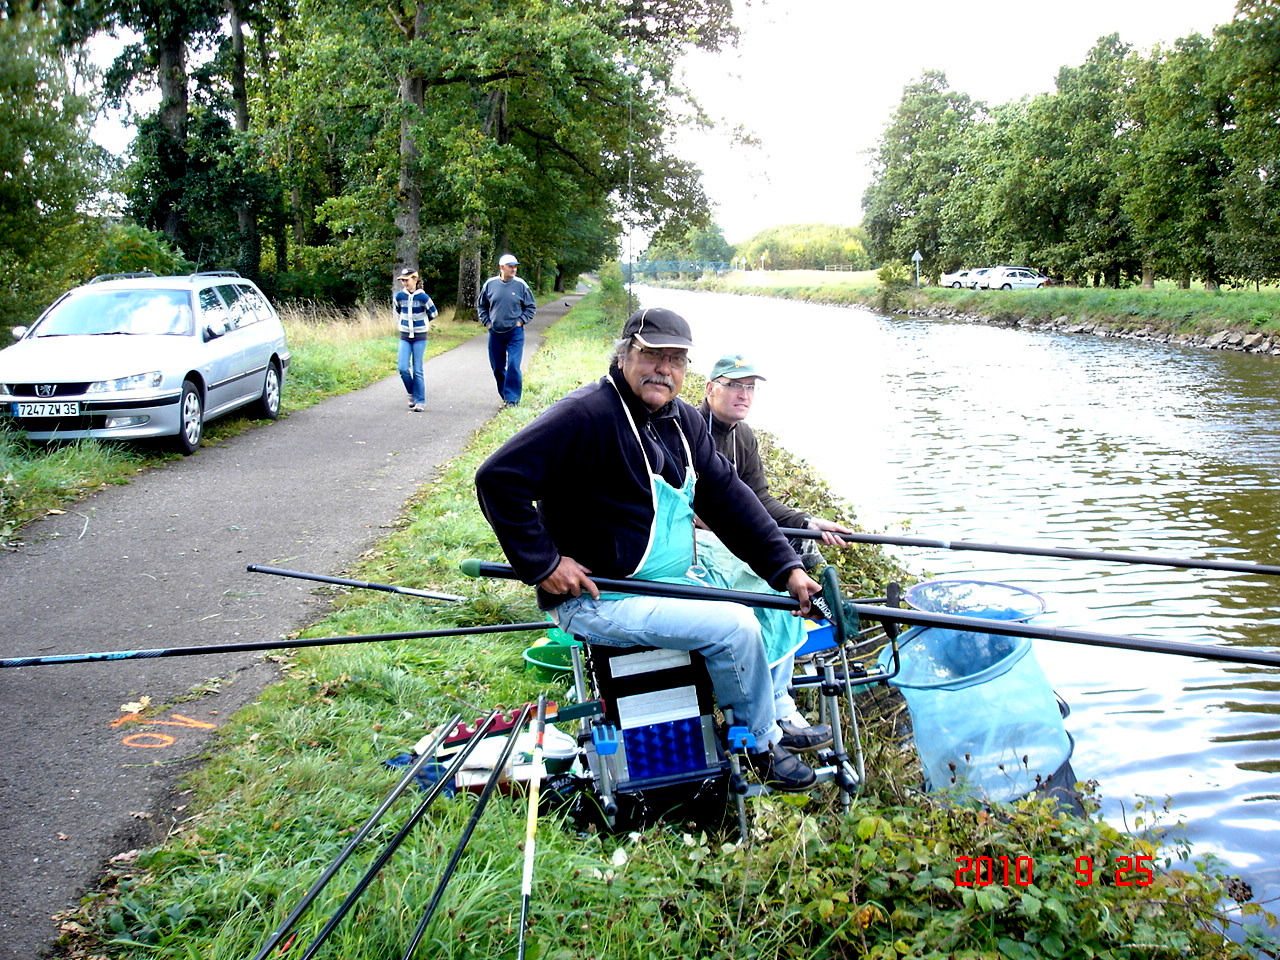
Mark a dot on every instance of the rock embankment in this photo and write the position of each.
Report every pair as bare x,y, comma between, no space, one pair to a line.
1240,341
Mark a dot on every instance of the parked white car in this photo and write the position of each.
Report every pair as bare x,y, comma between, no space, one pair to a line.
135,356
956,280
978,278
1015,278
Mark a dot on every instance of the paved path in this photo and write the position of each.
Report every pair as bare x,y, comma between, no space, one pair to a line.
160,562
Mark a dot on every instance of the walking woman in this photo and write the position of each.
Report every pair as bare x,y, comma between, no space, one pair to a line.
414,311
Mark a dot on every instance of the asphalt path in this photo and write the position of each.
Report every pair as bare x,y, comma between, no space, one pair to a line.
160,562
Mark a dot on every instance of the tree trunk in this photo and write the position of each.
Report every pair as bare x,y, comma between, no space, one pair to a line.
171,57
1148,277
469,275
249,260
409,193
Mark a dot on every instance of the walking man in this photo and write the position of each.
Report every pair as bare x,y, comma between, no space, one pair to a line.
606,482
504,306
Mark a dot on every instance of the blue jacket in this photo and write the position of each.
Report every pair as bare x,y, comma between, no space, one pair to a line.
574,483
504,306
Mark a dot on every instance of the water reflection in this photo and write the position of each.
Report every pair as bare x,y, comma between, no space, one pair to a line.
965,432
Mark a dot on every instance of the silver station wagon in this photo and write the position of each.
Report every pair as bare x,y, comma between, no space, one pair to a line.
133,356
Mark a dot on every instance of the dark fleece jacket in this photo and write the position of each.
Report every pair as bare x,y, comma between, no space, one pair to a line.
573,483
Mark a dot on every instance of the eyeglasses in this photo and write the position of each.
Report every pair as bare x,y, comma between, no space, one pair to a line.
677,361
735,386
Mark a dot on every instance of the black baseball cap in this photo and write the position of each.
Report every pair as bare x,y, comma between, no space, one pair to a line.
657,328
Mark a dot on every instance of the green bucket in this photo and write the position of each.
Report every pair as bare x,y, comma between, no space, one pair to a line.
550,661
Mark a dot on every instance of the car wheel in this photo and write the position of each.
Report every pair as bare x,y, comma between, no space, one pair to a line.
1007,286
191,429
268,405
956,285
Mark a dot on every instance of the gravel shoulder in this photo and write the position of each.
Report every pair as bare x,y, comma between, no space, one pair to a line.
159,563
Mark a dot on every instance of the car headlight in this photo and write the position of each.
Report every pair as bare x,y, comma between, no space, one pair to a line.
4,390
141,381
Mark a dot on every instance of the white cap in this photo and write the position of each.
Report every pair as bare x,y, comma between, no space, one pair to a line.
507,260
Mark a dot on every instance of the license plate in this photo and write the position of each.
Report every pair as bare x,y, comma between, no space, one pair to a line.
60,408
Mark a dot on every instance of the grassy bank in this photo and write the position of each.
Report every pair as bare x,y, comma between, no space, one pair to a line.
334,352
295,773
1166,308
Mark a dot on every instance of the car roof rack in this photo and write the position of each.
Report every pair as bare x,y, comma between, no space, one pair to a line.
216,273
121,276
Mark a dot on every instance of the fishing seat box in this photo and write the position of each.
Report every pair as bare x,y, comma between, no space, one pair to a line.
661,705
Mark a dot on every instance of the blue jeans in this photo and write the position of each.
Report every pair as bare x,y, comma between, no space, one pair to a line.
726,634
412,352
506,350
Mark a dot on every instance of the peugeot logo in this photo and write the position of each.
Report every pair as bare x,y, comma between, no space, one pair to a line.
45,389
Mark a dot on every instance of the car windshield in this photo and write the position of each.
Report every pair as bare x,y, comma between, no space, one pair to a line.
98,312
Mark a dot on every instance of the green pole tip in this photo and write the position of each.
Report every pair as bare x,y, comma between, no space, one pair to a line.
470,567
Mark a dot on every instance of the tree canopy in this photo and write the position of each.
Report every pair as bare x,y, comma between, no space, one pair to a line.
1139,165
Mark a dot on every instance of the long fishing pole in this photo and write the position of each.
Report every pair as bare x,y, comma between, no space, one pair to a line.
531,822
1188,563
394,843
651,588
427,754
361,584
263,645
485,794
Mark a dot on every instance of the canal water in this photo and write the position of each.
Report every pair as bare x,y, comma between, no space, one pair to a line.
960,431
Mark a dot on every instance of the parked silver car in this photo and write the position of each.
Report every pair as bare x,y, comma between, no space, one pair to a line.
134,356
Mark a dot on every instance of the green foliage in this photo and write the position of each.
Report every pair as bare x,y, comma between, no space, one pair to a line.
806,246
1137,165
128,248
48,167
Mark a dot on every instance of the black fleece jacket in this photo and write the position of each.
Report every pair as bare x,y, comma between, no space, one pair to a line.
738,443
574,483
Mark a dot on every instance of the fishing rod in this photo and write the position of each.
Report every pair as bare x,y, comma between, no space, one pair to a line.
498,768
1236,566
839,610
427,754
394,843
361,584
263,645
531,822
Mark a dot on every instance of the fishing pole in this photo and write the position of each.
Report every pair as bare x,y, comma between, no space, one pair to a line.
1236,566
263,645
531,822
427,754
498,769
362,584
394,843
851,610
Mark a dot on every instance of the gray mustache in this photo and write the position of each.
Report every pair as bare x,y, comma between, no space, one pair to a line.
661,380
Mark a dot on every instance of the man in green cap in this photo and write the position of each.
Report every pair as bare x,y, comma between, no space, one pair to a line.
731,389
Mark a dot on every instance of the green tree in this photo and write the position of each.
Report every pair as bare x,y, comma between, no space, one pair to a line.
48,166
1248,56
1180,118
807,246
919,155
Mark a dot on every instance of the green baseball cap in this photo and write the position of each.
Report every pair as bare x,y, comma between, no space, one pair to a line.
734,366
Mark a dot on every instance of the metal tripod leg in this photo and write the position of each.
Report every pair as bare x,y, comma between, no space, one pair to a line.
738,742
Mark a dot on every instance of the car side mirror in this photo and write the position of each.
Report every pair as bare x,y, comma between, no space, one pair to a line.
213,330
19,332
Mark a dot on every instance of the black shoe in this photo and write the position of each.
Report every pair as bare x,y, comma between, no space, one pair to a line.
781,771
804,739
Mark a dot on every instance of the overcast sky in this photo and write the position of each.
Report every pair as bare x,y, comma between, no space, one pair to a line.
816,82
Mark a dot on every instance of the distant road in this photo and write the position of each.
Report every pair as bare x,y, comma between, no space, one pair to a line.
160,562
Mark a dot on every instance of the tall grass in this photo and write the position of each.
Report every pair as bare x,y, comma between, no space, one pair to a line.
295,772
